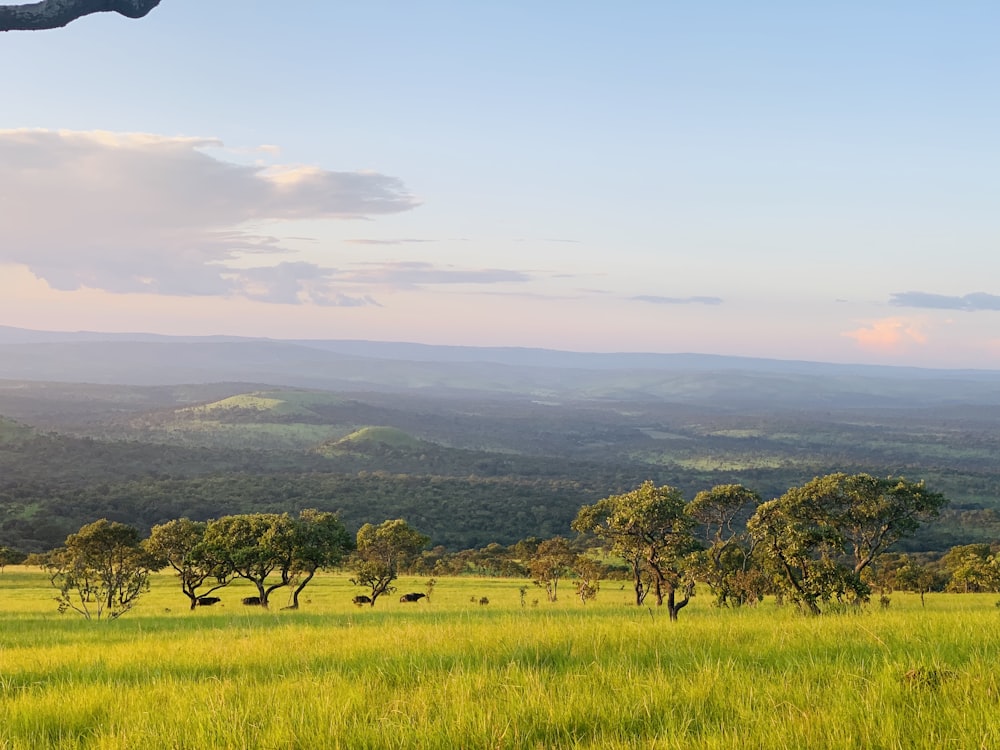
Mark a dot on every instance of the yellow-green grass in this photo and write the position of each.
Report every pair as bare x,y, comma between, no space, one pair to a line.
451,673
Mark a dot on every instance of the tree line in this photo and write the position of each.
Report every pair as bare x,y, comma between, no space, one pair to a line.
823,542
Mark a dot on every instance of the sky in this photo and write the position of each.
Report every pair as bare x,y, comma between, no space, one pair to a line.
804,181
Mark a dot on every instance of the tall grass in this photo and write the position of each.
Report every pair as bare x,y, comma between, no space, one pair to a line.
451,673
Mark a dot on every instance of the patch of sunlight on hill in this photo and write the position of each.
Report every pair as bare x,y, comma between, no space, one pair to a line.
272,403
384,435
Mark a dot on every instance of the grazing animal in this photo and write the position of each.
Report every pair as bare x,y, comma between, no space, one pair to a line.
361,599
207,601
251,601
484,600
412,597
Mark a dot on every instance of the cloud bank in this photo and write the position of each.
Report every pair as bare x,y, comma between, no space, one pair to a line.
128,212
973,302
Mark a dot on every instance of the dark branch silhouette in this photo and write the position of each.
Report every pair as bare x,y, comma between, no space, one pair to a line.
54,14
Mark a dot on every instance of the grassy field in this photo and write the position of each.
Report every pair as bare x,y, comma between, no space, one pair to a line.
451,673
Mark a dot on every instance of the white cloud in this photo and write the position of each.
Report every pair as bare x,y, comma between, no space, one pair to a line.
128,212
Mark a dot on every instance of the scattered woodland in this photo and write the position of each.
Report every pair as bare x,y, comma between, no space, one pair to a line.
464,569
487,481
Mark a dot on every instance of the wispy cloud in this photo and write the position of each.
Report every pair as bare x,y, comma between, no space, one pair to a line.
416,273
401,241
655,300
888,334
969,302
128,212
296,284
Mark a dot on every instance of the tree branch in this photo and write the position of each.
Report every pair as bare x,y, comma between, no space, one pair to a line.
54,14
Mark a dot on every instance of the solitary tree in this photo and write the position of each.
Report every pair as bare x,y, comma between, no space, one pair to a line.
649,528
553,560
919,578
102,570
181,545
53,14
381,552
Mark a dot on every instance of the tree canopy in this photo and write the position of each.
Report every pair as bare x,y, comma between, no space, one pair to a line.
381,552
54,14
101,571
823,535
649,528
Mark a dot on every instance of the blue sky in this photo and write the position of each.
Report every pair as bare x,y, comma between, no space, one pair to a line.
769,179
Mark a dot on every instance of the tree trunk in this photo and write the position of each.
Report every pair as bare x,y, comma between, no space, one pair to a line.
298,590
673,606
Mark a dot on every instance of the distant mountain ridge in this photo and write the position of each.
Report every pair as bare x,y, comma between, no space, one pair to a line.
345,365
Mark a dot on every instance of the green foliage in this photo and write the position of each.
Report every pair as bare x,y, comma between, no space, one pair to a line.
254,547
727,563
181,545
650,529
553,560
102,570
381,552
319,542
10,556
823,535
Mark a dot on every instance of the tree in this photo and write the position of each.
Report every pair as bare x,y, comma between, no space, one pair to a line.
102,570
181,545
381,552
589,573
919,578
255,547
319,540
726,564
554,559
972,568
649,528
824,535
54,14
9,556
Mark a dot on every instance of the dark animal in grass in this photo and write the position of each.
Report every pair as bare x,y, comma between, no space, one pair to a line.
361,599
207,601
251,601
411,597
484,601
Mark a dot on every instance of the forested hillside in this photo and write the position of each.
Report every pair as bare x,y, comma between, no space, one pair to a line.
466,469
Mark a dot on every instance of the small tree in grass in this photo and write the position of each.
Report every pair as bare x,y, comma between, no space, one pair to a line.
588,573
552,561
381,552
102,570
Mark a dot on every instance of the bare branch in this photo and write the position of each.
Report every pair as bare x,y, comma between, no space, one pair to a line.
54,14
